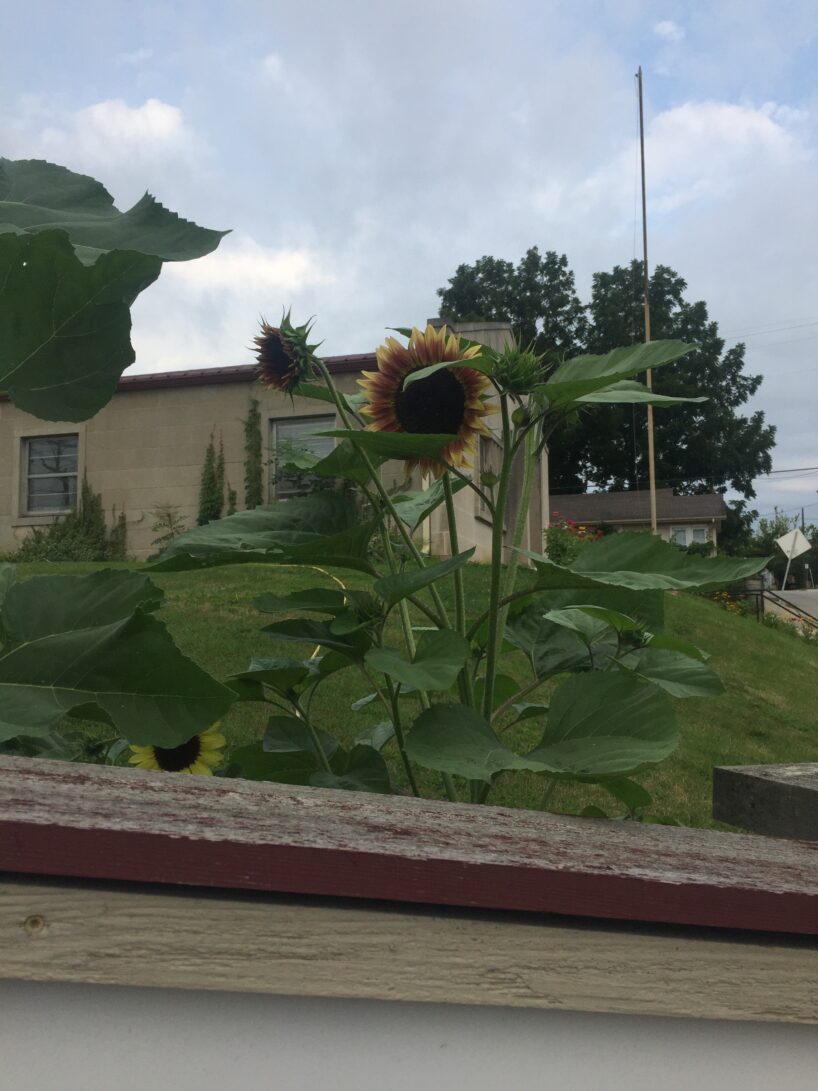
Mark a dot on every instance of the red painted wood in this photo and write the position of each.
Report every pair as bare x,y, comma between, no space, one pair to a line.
94,822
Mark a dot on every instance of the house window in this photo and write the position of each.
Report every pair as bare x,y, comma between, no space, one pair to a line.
51,468
290,437
684,536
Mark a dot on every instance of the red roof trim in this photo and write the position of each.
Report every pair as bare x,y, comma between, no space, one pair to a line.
350,364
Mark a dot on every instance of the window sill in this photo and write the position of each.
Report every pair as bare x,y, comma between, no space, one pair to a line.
39,520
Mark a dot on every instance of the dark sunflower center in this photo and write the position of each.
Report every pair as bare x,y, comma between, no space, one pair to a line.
275,357
431,406
174,758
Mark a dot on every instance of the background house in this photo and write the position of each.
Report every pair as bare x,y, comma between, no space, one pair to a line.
146,448
680,519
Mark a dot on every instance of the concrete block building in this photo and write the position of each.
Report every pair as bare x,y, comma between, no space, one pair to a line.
146,449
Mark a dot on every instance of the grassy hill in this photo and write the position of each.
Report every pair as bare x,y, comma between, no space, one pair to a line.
769,712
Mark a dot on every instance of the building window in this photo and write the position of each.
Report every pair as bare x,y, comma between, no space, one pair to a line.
51,468
685,536
293,436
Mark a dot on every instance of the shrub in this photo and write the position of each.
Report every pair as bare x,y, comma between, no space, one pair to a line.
564,539
82,535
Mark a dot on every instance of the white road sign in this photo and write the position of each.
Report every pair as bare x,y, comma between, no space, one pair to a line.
793,544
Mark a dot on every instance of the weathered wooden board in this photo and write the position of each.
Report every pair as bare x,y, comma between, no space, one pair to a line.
61,819
777,800
63,931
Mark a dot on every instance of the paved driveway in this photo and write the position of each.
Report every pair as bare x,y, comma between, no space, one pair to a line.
805,601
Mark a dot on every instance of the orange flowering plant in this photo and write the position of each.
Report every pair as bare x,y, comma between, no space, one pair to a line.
444,671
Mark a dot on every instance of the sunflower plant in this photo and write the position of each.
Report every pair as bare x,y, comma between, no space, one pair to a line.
601,675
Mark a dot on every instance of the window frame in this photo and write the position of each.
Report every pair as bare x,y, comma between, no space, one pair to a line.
689,529
26,476
322,420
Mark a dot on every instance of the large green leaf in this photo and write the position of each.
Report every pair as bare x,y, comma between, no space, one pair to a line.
320,600
253,763
65,327
308,631
678,674
413,507
323,528
585,374
343,461
641,562
127,672
477,363
395,444
605,724
394,588
456,739
376,736
553,649
281,674
439,657
38,196
285,735
631,393
361,770
58,604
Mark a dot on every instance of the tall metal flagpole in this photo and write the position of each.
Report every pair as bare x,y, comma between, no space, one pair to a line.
646,288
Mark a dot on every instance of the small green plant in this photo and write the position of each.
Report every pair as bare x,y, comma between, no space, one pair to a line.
168,523
81,535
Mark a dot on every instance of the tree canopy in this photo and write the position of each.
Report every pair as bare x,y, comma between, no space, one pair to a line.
699,447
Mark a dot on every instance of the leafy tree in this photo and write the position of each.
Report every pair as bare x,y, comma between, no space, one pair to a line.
253,479
699,447
211,490
537,297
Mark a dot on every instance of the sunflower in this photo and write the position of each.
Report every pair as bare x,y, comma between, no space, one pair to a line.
449,402
201,754
283,356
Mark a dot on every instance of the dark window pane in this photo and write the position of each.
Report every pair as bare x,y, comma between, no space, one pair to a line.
52,494
53,454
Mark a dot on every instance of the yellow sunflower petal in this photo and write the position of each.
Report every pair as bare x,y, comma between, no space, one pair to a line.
199,768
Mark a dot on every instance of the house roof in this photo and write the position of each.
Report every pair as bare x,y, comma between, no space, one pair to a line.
634,507
237,373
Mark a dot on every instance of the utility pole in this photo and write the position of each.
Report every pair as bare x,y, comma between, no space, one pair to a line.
646,288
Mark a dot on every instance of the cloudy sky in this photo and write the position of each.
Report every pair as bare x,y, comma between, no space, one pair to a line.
361,149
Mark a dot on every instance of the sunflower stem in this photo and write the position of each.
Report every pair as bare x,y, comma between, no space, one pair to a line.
386,499
464,677
316,741
520,524
497,536
401,739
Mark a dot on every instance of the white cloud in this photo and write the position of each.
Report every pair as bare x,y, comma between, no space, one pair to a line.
272,72
204,313
135,57
128,148
668,30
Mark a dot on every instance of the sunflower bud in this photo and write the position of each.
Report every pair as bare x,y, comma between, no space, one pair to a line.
517,370
283,355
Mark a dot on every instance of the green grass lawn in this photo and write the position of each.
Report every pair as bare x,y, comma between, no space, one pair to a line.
769,712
